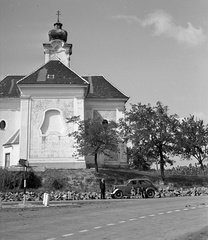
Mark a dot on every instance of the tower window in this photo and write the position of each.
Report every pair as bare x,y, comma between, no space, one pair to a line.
105,122
50,76
2,125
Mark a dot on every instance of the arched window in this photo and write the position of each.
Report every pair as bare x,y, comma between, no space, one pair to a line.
2,125
105,122
53,123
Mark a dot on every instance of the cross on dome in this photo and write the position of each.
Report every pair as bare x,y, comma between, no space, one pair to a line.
58,14
58,32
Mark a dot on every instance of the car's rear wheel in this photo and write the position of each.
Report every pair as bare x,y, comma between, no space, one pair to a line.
150,193
118,194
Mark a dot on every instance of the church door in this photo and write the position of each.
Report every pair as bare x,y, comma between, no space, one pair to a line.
7,160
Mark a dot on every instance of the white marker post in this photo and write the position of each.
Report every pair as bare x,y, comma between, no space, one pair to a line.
46,199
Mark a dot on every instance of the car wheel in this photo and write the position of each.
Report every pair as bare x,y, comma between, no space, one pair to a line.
118,194
150,193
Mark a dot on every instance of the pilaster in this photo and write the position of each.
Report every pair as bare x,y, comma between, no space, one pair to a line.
24,129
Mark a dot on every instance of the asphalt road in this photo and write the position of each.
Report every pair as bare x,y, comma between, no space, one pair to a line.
157,219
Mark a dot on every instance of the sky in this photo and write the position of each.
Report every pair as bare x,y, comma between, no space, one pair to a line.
151,50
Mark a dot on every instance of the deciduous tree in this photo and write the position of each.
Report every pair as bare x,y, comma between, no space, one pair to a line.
193,140
95,137
151,129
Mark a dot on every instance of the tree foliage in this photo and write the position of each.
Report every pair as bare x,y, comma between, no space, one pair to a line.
138,159
193,139
151,131
95,137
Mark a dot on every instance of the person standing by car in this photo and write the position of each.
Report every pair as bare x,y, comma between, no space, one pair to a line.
102,188
142,189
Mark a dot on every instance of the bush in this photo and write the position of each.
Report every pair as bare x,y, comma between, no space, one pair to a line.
54,183
15,180
33,181
57,184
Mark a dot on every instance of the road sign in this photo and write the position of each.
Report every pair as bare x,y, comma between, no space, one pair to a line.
24,162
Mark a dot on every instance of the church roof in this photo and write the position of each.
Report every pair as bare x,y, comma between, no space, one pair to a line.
13,140
101,88
53,72
8,87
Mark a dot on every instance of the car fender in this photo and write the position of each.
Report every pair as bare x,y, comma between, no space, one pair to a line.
150,188
115,190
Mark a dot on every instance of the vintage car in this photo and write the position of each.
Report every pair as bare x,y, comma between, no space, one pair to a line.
119,191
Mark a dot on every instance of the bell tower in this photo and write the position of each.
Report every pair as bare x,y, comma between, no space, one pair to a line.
58,48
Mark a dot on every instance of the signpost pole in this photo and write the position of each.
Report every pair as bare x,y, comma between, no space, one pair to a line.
25,164
24,196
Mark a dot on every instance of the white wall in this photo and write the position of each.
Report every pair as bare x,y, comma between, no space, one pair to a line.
10,113
42,106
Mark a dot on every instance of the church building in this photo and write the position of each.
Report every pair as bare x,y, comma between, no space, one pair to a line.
34,110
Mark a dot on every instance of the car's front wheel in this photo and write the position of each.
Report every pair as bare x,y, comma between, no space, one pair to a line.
150,193
118,194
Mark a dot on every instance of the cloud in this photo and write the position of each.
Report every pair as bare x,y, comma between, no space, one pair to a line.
129,19
163,25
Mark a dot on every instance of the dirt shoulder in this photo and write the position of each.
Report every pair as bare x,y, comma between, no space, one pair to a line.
17,212
202,234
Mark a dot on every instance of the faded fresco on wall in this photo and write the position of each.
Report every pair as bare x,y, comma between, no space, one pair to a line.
49,130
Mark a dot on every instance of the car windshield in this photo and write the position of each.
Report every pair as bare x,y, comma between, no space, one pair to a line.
140,181
126,182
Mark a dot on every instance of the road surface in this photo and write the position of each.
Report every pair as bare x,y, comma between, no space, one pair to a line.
158,219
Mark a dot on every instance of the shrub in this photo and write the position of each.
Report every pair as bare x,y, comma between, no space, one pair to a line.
57,184
33,181
54,183
15,180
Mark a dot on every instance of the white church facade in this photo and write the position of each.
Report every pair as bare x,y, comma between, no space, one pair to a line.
34,109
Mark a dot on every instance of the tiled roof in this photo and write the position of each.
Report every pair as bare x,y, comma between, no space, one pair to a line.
101,88
8,87
53,72
13,140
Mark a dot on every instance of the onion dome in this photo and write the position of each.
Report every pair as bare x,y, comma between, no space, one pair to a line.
58,32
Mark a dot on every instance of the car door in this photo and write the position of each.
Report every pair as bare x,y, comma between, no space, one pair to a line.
132,183
142,184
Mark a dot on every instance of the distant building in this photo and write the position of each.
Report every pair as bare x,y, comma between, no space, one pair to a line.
34,108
